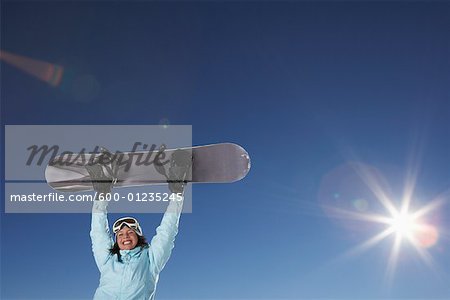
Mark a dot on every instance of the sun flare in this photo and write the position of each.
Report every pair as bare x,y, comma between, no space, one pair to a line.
404,225
405,222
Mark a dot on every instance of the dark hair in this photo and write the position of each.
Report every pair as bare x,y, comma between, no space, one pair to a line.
142,242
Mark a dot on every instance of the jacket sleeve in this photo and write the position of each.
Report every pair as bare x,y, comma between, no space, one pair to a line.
163,242
100,236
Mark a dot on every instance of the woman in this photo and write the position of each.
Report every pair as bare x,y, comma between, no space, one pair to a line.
129,266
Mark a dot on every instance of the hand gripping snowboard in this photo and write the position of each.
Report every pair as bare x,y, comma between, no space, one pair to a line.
216,163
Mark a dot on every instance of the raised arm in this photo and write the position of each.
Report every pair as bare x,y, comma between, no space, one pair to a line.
100,236
103,177
163,242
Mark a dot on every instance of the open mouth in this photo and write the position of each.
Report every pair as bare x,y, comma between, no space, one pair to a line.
127,242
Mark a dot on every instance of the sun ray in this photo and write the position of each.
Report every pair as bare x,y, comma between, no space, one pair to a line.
433,205
393,258
369,243
411,177
347,214
414,162
373,184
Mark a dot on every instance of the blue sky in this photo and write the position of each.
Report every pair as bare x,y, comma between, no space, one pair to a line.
305,87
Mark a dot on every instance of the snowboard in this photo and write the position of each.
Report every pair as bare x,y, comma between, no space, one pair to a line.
215,163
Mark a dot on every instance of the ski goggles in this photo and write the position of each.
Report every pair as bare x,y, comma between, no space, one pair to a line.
128,221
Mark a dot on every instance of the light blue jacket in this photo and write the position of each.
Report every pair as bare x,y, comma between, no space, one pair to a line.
137,275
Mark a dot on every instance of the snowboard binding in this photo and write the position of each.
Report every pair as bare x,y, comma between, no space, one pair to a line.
103,171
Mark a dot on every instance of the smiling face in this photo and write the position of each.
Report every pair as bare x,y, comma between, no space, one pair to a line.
127,238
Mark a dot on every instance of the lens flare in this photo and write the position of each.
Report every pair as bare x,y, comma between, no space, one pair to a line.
361,205
48,72
427,236
164,122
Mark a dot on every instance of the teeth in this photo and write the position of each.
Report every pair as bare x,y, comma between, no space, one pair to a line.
127,242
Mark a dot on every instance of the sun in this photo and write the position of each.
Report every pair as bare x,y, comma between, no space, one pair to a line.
409,224
404,225
408,229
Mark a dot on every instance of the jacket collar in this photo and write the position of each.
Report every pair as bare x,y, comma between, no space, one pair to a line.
132,252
